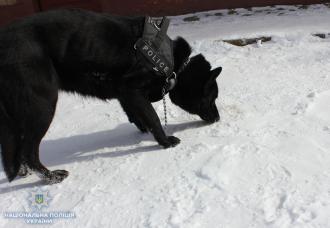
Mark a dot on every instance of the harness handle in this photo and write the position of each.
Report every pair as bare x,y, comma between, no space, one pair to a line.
164,25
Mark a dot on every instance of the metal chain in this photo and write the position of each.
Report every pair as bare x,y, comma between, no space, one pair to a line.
164,105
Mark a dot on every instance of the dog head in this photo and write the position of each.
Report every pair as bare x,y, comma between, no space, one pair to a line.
197,89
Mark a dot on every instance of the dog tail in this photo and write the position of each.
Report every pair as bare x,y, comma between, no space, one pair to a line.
10,157
8,146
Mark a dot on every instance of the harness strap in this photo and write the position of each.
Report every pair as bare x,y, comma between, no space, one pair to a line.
157,50
160,63
156,46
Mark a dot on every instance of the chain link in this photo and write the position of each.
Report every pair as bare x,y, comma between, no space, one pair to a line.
164,105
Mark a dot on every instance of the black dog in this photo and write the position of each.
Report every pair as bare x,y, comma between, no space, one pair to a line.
90,54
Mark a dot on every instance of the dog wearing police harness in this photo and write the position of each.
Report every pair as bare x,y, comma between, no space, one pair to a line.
99,55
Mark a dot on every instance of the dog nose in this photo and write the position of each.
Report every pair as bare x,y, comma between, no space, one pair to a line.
212,120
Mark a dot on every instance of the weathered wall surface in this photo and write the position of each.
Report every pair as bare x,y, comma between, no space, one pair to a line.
174,7
12,9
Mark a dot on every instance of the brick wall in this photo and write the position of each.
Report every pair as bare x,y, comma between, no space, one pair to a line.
12,9
174,7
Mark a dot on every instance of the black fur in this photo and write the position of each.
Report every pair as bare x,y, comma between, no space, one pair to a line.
90,54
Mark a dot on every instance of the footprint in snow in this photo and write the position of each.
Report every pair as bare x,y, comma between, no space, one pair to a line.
320,107
302,106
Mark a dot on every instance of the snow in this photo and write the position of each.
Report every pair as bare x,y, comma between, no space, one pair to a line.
265,164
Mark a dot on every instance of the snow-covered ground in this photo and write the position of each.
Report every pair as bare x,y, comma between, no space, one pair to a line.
265,164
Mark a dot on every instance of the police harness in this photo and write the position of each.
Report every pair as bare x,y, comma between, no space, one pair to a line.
157,49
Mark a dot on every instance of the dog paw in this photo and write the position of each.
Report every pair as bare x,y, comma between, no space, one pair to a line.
172,141
56,176
24,171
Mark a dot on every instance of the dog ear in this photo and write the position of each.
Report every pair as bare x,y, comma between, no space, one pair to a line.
181,52
215,73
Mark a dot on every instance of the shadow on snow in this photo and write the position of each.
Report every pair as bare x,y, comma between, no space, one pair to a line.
80,147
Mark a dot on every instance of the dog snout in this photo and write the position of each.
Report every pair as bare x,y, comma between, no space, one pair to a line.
211,117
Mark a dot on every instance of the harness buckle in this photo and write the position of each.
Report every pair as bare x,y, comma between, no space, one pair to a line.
173,76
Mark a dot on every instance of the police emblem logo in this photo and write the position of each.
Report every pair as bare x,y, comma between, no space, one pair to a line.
39,199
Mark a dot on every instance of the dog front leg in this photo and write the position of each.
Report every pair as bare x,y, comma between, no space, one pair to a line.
140,108
134,119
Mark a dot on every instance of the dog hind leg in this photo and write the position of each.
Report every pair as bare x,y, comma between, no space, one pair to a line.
42,99
24,170
31,147
31,142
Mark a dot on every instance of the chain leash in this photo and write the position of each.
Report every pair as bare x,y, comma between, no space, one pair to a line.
164,105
